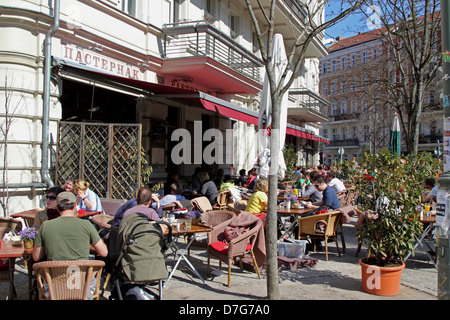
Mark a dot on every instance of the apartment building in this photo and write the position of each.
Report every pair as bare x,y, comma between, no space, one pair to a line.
126,75
359,119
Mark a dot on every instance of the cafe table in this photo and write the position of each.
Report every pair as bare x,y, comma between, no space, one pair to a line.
181,251
28,215
11,252
293,214
430,220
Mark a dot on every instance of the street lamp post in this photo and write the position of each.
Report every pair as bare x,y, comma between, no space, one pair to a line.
443,208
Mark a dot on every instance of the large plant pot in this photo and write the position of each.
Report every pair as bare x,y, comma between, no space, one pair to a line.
382,281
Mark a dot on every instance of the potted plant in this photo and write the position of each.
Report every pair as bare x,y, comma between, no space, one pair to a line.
28,234
391,200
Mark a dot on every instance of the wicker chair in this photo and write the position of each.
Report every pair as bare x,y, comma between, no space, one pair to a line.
223,198
237,247
68,280
211,219
103,221
308,228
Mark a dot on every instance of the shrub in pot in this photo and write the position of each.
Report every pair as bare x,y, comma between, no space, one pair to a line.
391,199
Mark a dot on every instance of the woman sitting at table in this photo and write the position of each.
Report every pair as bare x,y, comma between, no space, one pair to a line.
68,185
50,212
258,200
86,198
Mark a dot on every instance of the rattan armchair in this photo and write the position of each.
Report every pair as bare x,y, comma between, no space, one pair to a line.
309,227
236,248
68,280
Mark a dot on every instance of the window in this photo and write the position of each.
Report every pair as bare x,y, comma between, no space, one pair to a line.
325,88
375,54
333,88
344,107
335,134
365,55
354,105
127,6
343,87
334,109
344,133
333,66
353,60
325,133
324,68
234,22
343,63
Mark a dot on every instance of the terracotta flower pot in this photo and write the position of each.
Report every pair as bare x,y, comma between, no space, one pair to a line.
382,281
28,244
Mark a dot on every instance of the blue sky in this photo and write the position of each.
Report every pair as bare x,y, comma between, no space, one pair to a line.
348,27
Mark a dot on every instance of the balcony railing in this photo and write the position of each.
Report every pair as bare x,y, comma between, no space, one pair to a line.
307,98
200,39
345,142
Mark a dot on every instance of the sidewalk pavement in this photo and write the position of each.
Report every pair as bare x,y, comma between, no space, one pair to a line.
336,279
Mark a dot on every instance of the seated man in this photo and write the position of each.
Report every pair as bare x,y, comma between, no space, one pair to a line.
430,184
330,198
144,199
335,183
67,237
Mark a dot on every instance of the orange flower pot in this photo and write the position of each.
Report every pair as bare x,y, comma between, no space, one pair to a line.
382,281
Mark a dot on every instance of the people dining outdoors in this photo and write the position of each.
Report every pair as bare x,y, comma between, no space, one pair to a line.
208,189
334,182
431,195
258,200
311,192
144,199
51,211
68,237
174,195
86,198
252,178
195,183
228,184
330,198
242,180
68,185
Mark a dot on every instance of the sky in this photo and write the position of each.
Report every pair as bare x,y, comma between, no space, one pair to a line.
348,27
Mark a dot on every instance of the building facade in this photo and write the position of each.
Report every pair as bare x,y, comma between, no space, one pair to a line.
164,65
359,118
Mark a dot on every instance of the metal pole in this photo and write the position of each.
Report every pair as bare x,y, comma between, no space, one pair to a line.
442,237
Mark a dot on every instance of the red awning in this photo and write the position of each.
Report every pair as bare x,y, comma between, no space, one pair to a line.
209,102
228,112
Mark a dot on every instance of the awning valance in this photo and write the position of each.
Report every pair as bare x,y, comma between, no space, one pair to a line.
187,96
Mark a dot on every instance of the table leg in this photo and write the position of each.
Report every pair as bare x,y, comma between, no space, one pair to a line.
419,242
12,289
181,255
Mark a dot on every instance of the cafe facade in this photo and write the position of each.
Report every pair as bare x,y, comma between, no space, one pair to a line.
175,69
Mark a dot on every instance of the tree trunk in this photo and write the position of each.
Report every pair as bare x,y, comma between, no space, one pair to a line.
273,290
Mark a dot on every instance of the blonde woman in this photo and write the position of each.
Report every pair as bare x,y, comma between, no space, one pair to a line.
86,198
258,200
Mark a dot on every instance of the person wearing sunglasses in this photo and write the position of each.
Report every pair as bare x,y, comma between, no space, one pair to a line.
50,212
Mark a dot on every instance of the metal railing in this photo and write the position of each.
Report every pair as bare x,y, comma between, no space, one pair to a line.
346,142
200,39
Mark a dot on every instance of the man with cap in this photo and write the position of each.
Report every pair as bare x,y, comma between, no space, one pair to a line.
67,237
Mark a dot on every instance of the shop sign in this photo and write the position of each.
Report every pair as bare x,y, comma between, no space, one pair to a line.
90,58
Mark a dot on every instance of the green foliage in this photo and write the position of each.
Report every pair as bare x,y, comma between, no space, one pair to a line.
290,158
394,199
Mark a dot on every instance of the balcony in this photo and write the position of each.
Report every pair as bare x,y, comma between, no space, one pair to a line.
210,58
344,142
307,106
430,138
